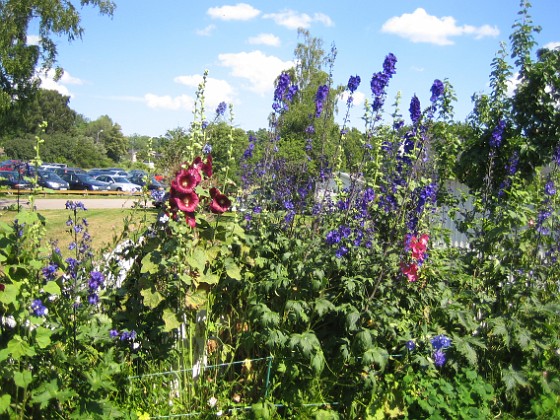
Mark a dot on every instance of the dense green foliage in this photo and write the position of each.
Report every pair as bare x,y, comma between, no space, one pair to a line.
388,291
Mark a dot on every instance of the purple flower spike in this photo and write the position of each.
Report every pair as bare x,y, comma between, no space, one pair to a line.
415,112
437,90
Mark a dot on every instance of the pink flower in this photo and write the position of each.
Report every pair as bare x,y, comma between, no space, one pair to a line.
410,271
419,246
220,203
184,201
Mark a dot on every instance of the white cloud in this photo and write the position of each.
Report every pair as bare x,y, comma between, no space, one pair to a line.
48,82
33,39
419,26
552,45
206,31
358,99
512,84
169,102
241,11
324,19
294,20
215,91
259,69
265,39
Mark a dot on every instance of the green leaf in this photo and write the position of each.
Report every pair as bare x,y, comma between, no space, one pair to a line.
196,299
22,379
209,278
4,402
10,293
151,299
43,337
148,263
51,288
48,391
232,269
17,347
170,320
198,260
512,378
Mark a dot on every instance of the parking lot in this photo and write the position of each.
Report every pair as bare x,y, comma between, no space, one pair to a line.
60,203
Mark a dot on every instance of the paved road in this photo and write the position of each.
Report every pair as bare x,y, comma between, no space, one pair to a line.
60,203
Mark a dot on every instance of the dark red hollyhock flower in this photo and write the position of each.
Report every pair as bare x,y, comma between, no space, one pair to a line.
220,203
2,287
189,217
206,168
186,180
186,202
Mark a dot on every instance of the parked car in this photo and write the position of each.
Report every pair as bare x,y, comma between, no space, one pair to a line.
119,183
64,171
141,179
15,180
84,182
51,180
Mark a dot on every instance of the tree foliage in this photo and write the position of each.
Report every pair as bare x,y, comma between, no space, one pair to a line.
20,59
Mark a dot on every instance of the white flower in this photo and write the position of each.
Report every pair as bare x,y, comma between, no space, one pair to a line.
212,402
8,321
164,218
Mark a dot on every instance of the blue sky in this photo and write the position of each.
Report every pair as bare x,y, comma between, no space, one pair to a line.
142,66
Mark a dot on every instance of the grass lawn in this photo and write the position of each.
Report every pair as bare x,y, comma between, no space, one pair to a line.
104,225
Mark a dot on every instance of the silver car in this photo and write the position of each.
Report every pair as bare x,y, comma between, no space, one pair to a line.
119,183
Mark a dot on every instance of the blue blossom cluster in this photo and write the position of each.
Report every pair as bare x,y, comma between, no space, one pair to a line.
410,345
18,228
556,156
440,343
511,170
207,148
353,83
37,308
437,90
221,109
49,272
352,233
380,81
423,197
352,86
96,280
497,134
415,111
248,153
550,188
284,93
320,99
157,195
75,205
123,335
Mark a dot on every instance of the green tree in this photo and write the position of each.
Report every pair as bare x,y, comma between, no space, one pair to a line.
139,146
228,144
107,135
19,59
44,105
530,116
306,136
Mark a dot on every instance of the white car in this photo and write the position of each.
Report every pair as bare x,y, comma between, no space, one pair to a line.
119,183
